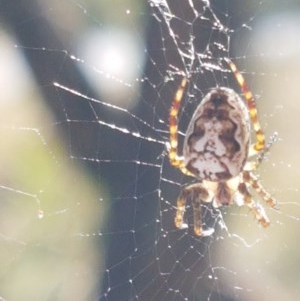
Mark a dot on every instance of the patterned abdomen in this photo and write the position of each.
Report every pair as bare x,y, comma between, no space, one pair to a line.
217,139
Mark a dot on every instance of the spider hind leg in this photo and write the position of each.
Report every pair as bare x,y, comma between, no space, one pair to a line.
259,145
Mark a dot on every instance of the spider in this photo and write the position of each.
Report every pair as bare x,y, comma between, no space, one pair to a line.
217,152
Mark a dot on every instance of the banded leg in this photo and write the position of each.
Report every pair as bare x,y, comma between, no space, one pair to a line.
256,208
252,165
197,194
260,137
262,155
174,158
251,179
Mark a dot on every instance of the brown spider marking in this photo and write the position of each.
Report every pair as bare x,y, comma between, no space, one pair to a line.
216,151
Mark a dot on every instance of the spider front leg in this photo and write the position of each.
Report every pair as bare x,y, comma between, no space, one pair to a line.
256,208
197,194
250,178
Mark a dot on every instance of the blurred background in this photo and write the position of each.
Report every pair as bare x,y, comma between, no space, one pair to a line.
87,194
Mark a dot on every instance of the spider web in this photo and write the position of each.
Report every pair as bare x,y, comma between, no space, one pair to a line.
88,195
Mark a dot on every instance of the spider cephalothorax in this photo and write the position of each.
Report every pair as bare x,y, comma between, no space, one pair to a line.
216,152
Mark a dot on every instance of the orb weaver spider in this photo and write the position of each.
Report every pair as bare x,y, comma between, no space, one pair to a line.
217,152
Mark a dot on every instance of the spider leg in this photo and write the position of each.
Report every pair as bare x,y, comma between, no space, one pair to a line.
259,145
256,208
262,155
250,178
252,165
174,158
197,194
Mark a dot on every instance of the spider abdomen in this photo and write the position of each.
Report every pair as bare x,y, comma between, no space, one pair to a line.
217,139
